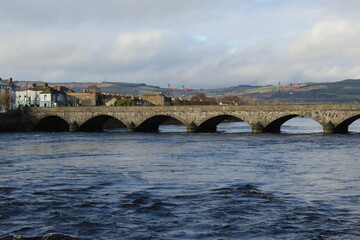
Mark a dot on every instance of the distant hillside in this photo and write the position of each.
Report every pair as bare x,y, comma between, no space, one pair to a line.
330,92
335,92
136,89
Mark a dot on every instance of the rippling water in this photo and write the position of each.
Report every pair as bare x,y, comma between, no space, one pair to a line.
300,184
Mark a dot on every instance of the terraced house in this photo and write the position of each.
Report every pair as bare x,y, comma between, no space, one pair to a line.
41,96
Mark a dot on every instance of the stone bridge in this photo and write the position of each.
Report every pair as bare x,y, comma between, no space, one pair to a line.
334,118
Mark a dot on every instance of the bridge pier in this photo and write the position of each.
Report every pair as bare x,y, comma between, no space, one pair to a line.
329,128
131,127
192,128
258,128
74,127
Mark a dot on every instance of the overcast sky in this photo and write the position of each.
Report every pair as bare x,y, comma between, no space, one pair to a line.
199,43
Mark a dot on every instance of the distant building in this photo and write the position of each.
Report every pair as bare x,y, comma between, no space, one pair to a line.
156,99
91,96
41,96
85,99
7,94
91,89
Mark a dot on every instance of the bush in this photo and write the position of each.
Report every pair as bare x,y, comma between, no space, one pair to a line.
125,102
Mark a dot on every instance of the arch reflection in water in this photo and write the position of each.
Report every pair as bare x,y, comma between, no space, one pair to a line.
301,125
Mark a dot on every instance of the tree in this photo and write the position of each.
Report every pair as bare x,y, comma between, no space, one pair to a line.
5,99
125,102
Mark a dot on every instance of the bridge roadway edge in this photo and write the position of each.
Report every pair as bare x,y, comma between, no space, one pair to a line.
334,118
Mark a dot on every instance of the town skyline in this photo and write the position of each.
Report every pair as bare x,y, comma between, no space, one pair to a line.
339,91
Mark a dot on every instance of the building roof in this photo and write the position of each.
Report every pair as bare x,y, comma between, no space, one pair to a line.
44,89
2,83
50,90
9,83
7,80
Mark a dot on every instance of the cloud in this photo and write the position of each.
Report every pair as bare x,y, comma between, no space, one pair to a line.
200,43
328,39
328,50
68,12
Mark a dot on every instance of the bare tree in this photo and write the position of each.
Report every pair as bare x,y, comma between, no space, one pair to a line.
5,99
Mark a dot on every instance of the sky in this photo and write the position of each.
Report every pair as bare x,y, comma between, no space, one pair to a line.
196,43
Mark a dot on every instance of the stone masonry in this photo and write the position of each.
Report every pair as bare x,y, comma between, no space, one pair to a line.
334,118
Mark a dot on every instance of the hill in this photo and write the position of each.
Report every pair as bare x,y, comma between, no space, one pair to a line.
334,92
329,92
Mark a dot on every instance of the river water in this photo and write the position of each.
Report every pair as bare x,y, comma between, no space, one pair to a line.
300,184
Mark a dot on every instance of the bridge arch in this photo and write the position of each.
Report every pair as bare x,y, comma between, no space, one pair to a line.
52,124
343,127
97,123
275,126
152,124
210,124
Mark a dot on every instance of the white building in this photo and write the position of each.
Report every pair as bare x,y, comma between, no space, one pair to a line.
41,96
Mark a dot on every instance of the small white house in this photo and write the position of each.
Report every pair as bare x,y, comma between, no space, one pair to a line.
41,96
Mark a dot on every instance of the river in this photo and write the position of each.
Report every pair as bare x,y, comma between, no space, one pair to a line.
300,184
